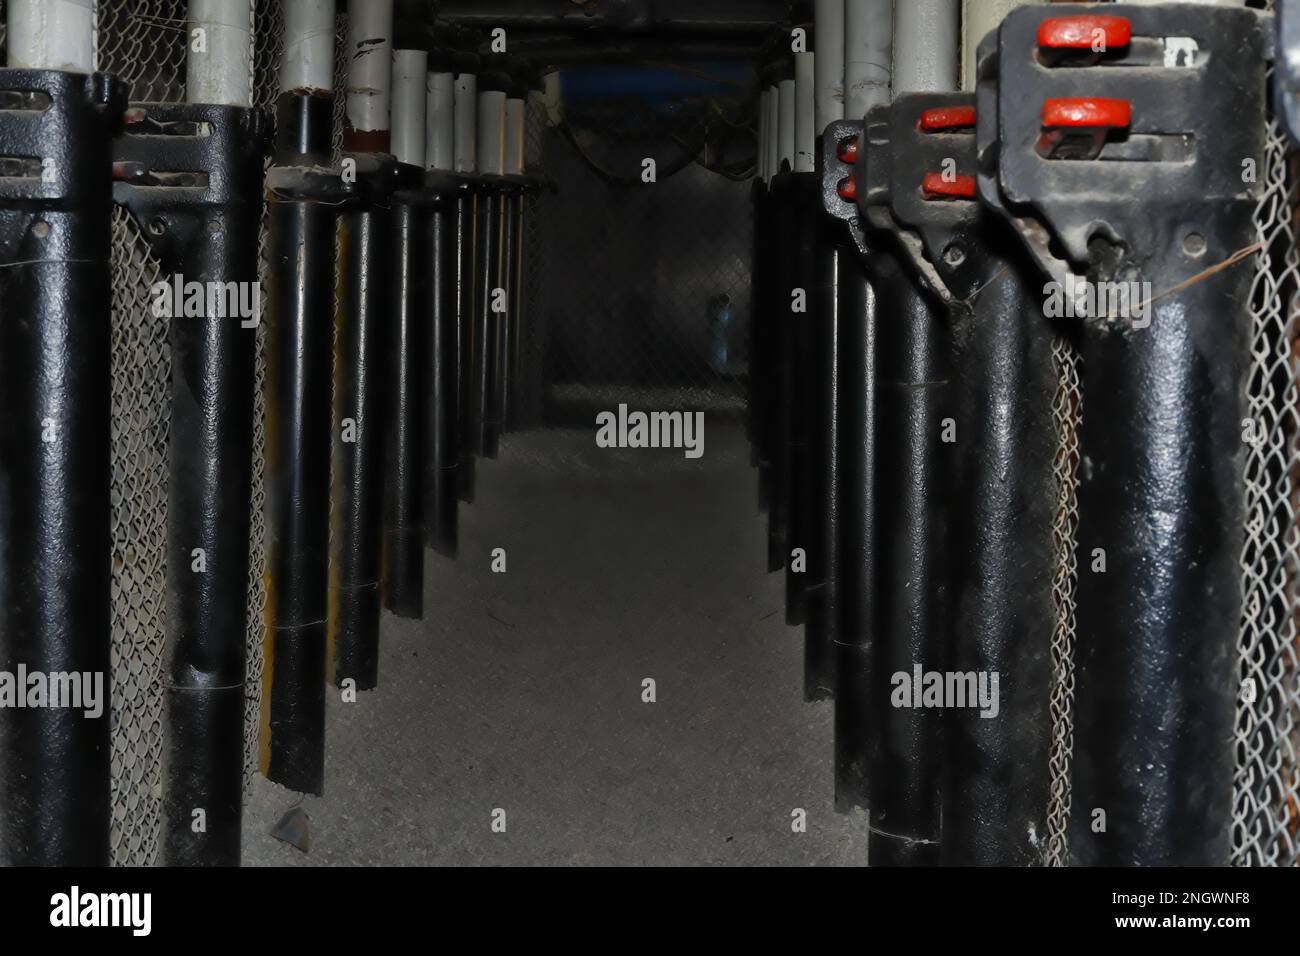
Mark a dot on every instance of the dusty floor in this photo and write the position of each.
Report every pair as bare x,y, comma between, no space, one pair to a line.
522,691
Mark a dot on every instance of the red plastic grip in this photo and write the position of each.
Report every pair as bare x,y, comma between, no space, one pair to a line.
1087,112
947,117
935,186
1080,33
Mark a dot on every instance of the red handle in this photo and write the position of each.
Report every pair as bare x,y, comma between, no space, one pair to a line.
1080,33
1087,112
947,117
935,186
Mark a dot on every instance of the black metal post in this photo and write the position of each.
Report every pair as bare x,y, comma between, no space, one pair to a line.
826,319
55,457
359,403
486,327
303,195
1165,349
405,429
203,228
443,444
466,232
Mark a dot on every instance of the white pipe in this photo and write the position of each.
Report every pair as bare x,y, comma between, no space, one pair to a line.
785,120
466,139
978,19
805,113
828,44
763,98
219,71
868,55
927,46
370,65
514,137
410,68
773,131
440,121
308,59
492,132
51,35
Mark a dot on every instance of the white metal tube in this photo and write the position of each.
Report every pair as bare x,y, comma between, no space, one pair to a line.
217,63
410,68
370,65
828,44
773,131
785,120
308,59
466,139
492,132
514,137
868,55
927,46
978,19
805,113
440,121
51,35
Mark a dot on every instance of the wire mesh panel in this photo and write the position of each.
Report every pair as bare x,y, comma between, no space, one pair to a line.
1266,826
144,42
141,369
268,42
1067,411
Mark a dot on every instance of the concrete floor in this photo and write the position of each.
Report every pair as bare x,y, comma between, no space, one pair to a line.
523,691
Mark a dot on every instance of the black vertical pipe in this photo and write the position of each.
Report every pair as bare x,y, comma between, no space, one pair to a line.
1161,505
852,520
468,220
442,405
1003,561
404,429
358,442
822,586
486,328
752,393
780,337
507,322
908,622
760,372
204,235
55,301
300,313
805,218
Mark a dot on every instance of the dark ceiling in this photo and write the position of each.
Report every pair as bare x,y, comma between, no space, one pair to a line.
556,32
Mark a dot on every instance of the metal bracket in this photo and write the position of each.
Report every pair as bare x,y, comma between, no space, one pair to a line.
42,118
1114,143
175,163
838,170
916,180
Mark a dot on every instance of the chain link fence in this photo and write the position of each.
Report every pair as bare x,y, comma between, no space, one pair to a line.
1266,818
637,276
